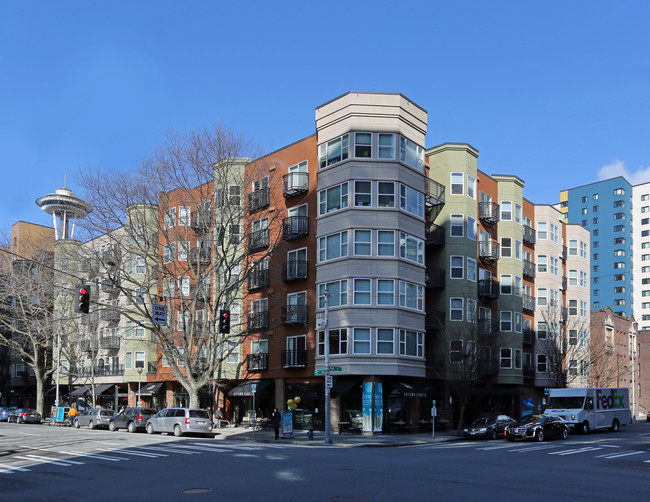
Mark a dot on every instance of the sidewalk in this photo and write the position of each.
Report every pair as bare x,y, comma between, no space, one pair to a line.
338,440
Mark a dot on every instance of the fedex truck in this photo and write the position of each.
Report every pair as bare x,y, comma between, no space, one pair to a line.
591,408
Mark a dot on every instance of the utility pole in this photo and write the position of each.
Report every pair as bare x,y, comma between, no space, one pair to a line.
328,435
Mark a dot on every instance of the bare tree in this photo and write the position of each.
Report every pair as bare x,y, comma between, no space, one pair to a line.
173,234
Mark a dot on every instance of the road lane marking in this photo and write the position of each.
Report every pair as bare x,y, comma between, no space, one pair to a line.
204,448
46,461
533,448
11,469
171,450
99,457
136,453
617,455
577,450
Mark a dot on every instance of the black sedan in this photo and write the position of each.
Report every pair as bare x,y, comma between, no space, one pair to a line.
538,428
488,427
25,416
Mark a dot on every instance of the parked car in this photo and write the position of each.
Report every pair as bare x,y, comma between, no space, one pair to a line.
180,421
488,427
131,419
94,417
5,412
25,416
538,427
352,421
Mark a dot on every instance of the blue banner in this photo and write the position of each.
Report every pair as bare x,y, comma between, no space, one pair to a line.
287,423
366,406
379,406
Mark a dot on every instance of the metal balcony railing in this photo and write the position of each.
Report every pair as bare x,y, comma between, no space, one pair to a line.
435,193
295,184
258,278
294,270
528,302
109,342
529,268
258,240
294,227
201,221
435,235
435,320
294,314
528,371
488,212
294,358
530,236
486,327
488,250
488,288
258,320
435,277
109,315
259,199
257,362
200,256
528,336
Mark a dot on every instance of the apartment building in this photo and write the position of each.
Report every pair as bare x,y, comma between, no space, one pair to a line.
641,254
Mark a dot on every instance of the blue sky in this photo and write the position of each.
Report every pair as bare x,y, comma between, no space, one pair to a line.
555,92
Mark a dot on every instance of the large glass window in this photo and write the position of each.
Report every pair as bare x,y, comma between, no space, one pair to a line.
411,295
411,248
505,358
385,194
456,267
506,210
333,199
333,246
385,341
338,342
411,201
457,186
456,222
362,242
386,146
362,193
338,291
411,343
385,292
361,289
456,309
411,154
333,151
361,340
363,144
385,243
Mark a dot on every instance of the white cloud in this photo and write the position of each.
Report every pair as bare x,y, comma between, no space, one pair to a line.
617,168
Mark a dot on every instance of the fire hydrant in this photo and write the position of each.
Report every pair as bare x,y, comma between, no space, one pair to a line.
310,433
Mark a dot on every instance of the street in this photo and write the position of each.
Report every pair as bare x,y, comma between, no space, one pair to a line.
38,462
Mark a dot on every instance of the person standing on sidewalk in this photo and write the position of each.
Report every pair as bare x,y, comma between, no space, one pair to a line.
276,418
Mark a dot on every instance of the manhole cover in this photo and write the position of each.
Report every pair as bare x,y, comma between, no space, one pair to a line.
196,490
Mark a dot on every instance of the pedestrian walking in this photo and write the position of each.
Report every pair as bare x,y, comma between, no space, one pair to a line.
276,419
218,417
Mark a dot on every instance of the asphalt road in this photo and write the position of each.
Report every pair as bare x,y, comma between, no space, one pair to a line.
63,464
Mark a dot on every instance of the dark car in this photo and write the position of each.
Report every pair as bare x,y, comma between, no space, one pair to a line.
94,417
488,427
538,428
131,419
25,416
5,412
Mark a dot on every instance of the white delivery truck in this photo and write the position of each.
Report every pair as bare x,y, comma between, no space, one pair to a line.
591,408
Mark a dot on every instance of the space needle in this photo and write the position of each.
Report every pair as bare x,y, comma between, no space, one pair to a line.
64,206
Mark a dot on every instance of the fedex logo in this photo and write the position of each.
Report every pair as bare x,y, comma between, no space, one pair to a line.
609,399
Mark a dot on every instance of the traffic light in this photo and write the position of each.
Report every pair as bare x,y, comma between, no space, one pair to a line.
82,299
224,321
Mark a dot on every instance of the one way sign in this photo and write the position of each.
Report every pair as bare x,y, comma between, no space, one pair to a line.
159,314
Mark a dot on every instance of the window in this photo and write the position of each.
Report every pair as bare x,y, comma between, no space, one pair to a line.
518,359
411,201
363,144
333,151
505,320
386,146
619,191
506,247
573,307
594,256
645,196
583,247
541,263
573,247
583,308
140,267
595,221
361,292
362,240
619,228
234,195
386,194
362,193
385,341
182,320
541,363
338,293
554,265
411,154
595,196
170,218
232,349
595,209
542,330
361,341
619,264
456,353
518,213
385,292
456,309
411,295
183,250
619,277
541,296
573,277
506,284
619,302
471,187
518,249
471,228
456,225
542,230
584,210
139,295
505,359
333,199
583,279
619,216
457,187
584,199
333,246
184,215
184,285
385,243
506,210
621,203
595,244
456,267
471,269
518,321
555,233
338,341
169,252
471,310
411,343
411,248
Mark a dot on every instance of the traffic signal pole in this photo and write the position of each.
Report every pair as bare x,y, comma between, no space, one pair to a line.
328,432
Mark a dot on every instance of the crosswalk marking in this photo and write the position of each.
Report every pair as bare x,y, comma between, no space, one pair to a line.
10,469
99,457
135,453
617,455
45,461
171,450
576,450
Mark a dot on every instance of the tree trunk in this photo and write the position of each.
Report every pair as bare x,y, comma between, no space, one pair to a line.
194,397
40,394
461,414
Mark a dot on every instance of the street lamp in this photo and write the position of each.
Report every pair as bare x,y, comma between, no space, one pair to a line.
139,370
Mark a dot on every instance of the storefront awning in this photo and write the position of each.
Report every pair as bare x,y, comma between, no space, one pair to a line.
405,389
150,389
87,390
244,388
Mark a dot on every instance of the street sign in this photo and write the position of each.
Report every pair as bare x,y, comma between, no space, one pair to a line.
336,368
254,388
328,381
319,372
159,314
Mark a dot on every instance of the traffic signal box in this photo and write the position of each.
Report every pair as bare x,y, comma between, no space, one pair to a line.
224,321
82,299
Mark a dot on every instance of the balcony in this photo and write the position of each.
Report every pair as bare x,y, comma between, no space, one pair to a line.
563,255
200,292
435,277
564,283
109,342
530,236
529,371
435,235
258,240
528,302
294,270
200,256
87,345
529,268
293,315
258,278
434,320
529,336
434,195
488,288
100,371
488,212
111,256
488,250
258,321
259,199
486,327
294,227
295,184
201,221
294,358
257,362
109,315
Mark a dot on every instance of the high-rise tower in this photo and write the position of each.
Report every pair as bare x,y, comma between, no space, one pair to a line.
64,206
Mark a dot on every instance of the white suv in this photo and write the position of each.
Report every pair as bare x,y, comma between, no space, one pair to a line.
180,421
